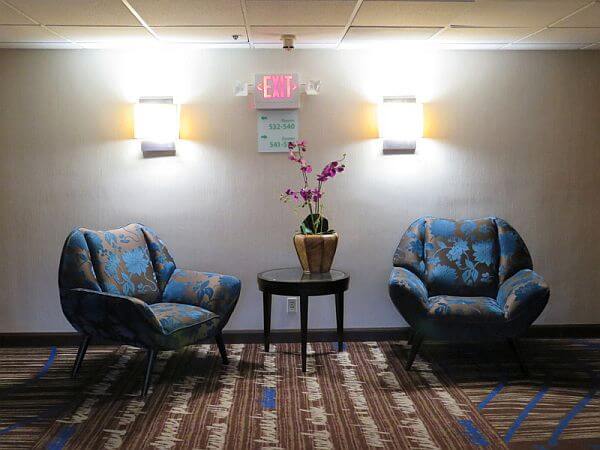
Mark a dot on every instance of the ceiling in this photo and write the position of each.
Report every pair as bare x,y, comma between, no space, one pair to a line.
446,24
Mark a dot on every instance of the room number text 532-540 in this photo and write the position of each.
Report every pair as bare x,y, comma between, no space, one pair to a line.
282,126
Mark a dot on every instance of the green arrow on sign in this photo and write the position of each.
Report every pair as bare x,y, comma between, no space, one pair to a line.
263,117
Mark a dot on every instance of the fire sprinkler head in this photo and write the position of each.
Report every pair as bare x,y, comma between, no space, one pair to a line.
288,41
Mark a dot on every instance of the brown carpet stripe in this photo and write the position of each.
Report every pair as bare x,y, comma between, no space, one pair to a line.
416,433
455,397
316,413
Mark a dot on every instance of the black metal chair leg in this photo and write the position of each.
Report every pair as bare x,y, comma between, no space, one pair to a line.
151,358
416,345
80,355
222,350
512,342
411,337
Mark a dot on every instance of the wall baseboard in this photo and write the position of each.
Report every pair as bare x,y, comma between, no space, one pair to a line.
285,336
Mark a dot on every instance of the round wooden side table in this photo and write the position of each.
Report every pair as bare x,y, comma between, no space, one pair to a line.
294,282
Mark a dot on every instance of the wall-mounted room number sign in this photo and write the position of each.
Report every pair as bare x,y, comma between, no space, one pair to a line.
276,91
276,128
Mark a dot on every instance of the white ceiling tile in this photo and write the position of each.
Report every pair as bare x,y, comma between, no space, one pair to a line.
299,12
408,13
488,35
201,34
189,12
388,34
27,33
105,34
565,36
462,46
215,45
297,47
589,17
593,47
519,46
517,13
304,35
77,12
9,16
40,45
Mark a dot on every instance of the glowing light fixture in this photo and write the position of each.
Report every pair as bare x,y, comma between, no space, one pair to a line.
157,124
400,124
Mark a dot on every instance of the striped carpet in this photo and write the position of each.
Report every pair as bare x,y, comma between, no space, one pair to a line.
454,398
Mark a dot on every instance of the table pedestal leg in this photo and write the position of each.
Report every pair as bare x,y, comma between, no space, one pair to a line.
304,327
339,313
267,318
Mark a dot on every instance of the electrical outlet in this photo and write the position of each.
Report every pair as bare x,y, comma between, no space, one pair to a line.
292,304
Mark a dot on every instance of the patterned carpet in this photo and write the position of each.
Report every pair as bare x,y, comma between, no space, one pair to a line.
360,398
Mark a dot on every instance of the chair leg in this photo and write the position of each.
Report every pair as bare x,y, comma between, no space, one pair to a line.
80,355
411,337
151,356
512,342
222,350
416,345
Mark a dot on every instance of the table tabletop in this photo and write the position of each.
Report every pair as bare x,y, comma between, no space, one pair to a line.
297,275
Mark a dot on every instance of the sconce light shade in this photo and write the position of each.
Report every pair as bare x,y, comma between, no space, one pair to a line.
400,123
157,123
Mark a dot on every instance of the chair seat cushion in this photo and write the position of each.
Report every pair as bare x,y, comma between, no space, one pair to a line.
176,316
465,309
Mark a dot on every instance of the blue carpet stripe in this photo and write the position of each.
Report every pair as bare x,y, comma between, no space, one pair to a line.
52,412
475,436
490,396
43,371
63,436
269,398
564,422
532,404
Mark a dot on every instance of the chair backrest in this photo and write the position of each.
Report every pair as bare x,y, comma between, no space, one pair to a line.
462,257
131,261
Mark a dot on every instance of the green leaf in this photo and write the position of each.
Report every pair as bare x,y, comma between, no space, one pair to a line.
315,224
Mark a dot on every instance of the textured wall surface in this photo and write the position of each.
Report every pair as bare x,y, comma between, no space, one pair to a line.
511,134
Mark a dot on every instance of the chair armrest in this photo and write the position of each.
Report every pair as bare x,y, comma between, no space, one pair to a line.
525,292
408,292
212,291
110,313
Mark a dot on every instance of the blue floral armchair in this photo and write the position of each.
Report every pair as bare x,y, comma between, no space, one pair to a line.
122,285
465,280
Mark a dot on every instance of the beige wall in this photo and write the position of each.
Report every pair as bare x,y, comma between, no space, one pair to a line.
511,134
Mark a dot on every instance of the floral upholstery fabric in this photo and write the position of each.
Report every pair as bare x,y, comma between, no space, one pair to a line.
163,263
410,253
478,273
76,269
514,255
408,293
202,305
467,309
122,262
212,291
128,320
461,257
175,316
524,291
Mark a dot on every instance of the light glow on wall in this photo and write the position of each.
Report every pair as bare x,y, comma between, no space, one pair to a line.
400,122
156,122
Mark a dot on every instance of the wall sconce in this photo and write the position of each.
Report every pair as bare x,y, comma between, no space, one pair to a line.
400,124
157,125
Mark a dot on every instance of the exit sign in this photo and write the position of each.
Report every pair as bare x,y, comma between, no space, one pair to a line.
276,91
